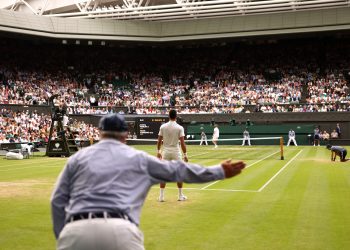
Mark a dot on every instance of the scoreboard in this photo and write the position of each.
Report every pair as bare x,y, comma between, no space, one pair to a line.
148,127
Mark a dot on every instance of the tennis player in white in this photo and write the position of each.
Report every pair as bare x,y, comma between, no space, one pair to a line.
216,135
171,134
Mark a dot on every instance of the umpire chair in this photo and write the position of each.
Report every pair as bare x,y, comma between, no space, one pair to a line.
64,145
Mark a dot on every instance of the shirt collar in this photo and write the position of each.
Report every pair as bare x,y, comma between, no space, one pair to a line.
107,140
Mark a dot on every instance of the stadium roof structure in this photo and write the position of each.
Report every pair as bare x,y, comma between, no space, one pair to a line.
163,10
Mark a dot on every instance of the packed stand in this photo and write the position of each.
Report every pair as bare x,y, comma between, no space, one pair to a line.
224,78
26,127
331,89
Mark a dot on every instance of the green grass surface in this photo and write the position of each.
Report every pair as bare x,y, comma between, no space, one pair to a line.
299,203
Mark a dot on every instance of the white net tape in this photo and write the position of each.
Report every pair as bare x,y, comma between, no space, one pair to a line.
198,140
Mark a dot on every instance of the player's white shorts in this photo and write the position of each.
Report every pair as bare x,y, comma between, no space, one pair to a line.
171,155
215,138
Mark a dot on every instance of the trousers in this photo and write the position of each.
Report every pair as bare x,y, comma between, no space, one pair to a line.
293,140
204,140
246,138
100,234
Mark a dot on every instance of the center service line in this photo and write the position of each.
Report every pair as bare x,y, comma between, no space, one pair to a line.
246,168
273,177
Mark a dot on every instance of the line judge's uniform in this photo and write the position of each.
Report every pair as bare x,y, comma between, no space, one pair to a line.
291,137
203,139
246,137
171,132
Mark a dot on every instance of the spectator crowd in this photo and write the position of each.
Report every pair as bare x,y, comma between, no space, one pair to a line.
225,78
32,127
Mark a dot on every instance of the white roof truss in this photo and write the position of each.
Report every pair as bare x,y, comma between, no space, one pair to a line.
163,10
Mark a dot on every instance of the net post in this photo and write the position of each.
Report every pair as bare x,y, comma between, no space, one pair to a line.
281,146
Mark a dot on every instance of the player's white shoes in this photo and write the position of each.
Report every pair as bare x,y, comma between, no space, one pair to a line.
161,199
182,198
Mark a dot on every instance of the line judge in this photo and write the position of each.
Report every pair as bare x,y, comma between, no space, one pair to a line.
97,199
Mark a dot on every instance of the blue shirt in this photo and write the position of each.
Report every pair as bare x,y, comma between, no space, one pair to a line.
338,149
111,176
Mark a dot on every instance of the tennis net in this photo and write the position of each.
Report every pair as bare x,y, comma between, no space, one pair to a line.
250,147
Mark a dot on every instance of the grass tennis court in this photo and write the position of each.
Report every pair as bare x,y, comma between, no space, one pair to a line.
299,203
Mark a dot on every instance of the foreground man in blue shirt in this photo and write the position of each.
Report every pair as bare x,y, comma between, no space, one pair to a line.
337,151
97,200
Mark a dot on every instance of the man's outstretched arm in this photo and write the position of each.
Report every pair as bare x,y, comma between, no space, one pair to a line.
179,171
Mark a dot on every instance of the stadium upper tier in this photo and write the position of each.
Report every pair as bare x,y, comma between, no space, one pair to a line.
214,79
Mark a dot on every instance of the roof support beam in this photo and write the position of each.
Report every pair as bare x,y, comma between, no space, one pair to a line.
87,5
43,7
211,4
30,7
78,6
181,9
14,5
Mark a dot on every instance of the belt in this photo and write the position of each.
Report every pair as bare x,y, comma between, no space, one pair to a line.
97,215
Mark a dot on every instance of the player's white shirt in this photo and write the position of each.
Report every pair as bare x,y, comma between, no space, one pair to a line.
171,132
216,133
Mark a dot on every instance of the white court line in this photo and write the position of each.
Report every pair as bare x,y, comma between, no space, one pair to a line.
6,170
238,148
216,189
244,190
203,188
273,177
46,162
198,154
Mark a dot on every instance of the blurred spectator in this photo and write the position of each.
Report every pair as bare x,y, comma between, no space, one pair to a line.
338,130
334,134
325,136
33,127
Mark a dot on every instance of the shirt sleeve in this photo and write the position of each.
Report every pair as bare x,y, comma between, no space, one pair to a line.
59,201
160,131
180,171
182,132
